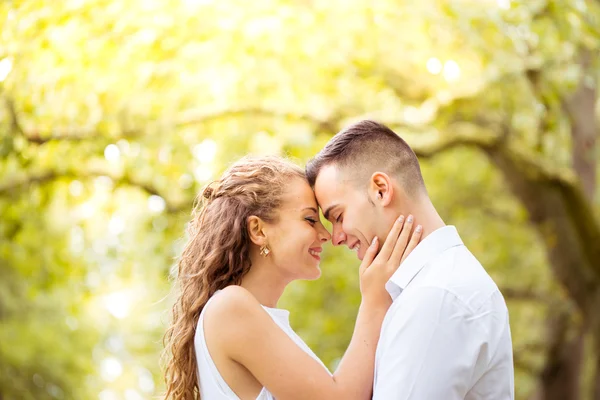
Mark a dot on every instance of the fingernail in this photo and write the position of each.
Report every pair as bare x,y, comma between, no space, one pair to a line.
418,230
401,219
374,242
409,219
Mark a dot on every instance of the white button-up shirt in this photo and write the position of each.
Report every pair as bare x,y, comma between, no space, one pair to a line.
446,335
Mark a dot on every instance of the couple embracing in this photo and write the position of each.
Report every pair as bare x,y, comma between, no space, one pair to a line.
432,324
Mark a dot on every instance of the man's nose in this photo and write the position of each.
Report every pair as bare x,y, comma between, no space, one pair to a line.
338,237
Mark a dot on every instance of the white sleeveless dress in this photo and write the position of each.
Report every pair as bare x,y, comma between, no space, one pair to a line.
212,385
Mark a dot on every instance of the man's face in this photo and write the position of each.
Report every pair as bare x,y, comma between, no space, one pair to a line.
347,207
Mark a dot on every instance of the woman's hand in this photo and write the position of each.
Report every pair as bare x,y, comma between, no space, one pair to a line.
376,269
250,337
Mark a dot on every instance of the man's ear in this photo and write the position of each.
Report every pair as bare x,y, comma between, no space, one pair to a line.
381,190
256,230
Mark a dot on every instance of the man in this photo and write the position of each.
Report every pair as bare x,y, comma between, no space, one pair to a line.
446,335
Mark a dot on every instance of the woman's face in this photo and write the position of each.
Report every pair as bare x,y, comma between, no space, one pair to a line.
296,239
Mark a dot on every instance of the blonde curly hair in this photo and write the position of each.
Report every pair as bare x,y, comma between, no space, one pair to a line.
216,255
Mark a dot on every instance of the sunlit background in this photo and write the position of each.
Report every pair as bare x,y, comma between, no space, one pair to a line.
113,114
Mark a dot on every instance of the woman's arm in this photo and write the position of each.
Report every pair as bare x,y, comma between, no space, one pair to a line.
250,337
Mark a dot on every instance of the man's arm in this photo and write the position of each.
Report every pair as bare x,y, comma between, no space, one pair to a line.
429,348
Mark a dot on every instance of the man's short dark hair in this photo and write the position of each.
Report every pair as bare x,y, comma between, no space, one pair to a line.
366,147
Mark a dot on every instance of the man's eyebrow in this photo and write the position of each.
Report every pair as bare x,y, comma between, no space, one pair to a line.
312,209
326,213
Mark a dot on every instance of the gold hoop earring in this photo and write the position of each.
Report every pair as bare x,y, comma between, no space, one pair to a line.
265,250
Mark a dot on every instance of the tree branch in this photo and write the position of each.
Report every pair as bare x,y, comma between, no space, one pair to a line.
460,134
525,294
38,139
19,185
15,126
193,118
75,136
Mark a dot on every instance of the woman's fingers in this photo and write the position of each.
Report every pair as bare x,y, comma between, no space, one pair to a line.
369,255
414,241
390,241
402,242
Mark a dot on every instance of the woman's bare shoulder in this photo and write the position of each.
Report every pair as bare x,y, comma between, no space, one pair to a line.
232,307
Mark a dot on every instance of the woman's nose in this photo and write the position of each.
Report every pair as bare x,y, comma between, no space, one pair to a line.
324,235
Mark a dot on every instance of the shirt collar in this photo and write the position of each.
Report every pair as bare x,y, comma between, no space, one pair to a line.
435,243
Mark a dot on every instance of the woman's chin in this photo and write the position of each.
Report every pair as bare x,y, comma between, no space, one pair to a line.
314,274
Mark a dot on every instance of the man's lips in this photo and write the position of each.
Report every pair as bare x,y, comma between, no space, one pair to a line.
355,246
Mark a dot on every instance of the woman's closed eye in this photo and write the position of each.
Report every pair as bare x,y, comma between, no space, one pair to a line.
311,220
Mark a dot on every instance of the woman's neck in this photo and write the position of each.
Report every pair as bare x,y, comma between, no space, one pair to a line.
264,284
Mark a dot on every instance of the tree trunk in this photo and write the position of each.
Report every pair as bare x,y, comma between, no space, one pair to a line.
581,110
596,383
551,209
559,379
566,223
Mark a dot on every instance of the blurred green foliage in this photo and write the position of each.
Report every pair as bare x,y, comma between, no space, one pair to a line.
117,112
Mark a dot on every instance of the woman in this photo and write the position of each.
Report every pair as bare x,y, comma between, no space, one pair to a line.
253,232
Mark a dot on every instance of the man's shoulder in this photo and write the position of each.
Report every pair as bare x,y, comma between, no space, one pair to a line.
459,275
459,268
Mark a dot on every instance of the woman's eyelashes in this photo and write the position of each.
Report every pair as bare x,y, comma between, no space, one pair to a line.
339,218
311,220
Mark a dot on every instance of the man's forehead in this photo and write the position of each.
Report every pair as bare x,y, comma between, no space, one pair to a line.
328,179
329,189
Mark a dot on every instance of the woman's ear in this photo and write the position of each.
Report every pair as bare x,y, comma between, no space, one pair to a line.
381,190
256,230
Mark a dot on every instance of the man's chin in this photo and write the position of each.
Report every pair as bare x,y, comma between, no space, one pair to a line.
360,254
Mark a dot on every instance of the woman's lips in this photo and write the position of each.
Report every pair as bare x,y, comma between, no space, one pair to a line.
314,252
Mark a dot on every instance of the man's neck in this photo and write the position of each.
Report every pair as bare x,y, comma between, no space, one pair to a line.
427,216
430,224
